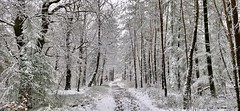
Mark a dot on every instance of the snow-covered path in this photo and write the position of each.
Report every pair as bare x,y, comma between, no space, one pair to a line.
126,101
112,97
117,96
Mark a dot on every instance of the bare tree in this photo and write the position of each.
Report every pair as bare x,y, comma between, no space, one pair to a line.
164,80
208,50
68,59
187,85
99,44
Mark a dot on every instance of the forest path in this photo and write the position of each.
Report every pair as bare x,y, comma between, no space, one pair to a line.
126,100
113,96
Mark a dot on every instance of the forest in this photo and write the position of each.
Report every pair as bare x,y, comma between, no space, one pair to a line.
119,55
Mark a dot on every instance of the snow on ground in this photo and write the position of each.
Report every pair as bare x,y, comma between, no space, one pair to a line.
106,101
106,104
117,96
112,97
121,85
72,92
67,108
114,83
143,98
130,99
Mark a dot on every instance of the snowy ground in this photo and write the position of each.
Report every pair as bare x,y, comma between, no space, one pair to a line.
119,96
128,100
112,97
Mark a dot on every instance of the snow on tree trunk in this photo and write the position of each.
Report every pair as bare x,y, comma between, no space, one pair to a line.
134,48
208,50
235,30
103,70
68,56
164,80
187,84
99,45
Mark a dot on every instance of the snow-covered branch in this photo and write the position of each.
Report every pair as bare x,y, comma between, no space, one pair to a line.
6,23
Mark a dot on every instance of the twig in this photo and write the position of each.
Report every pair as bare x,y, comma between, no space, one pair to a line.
6,23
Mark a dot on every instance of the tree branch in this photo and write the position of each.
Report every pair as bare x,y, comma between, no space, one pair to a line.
75,48
9,50
57,8
83,11
60,7
6,23
46,53
54,1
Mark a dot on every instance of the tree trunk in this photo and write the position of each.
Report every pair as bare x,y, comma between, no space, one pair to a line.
184,30
99,45
145,66
103,68
80,63
155,78
95,72
187,85
85,68
80,56
111,75
125,72
199,89
196,48
85,50
208,50
237,47
141,59
164,80
57,61
134,57
149,68
231,46
141,70
68,59
178,65
196,62
45,21
130,76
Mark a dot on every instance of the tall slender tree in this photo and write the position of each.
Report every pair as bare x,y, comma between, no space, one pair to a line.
99,44
235,29
208,49
187,85
184,30
164,80
68,56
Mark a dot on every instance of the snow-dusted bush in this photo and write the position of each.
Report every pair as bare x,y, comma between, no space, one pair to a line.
173,100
